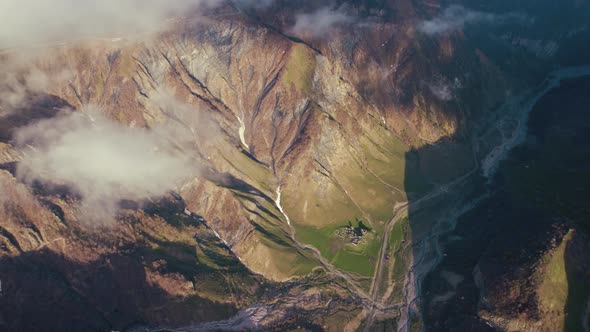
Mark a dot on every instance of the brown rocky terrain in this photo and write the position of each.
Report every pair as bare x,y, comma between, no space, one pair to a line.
291,134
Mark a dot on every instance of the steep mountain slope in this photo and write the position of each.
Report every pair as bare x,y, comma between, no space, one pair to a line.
295,135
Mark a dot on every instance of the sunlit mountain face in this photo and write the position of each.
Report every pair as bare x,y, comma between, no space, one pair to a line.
215,165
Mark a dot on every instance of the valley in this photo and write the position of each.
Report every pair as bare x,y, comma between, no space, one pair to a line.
390,165
462,253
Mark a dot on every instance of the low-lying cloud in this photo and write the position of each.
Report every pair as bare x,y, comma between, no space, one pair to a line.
101,160
26,23
320,22
444,89
455,17
16,86
21,79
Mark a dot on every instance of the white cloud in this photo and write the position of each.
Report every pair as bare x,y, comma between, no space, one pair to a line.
444,89
15,87
320,22
26,22
21,79
455,17
101,160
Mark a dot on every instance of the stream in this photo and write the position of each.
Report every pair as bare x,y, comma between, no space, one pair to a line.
470,241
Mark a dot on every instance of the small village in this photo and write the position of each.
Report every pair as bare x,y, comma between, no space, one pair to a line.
356,235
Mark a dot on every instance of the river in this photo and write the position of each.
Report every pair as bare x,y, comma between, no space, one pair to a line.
504,236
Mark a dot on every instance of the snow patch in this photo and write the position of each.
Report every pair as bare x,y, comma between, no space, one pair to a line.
190,213
219,237
280,207
242,132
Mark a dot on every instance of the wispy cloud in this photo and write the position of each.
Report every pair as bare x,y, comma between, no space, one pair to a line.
101,160
444,89
24,23
456,17
21,79
16,86
320,22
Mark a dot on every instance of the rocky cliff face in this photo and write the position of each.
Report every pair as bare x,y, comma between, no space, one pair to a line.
292,132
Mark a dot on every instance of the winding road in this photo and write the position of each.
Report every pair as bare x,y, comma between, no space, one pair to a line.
371,300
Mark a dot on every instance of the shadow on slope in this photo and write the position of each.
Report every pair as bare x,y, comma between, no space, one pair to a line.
37,108
45,291
520,253
142,271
